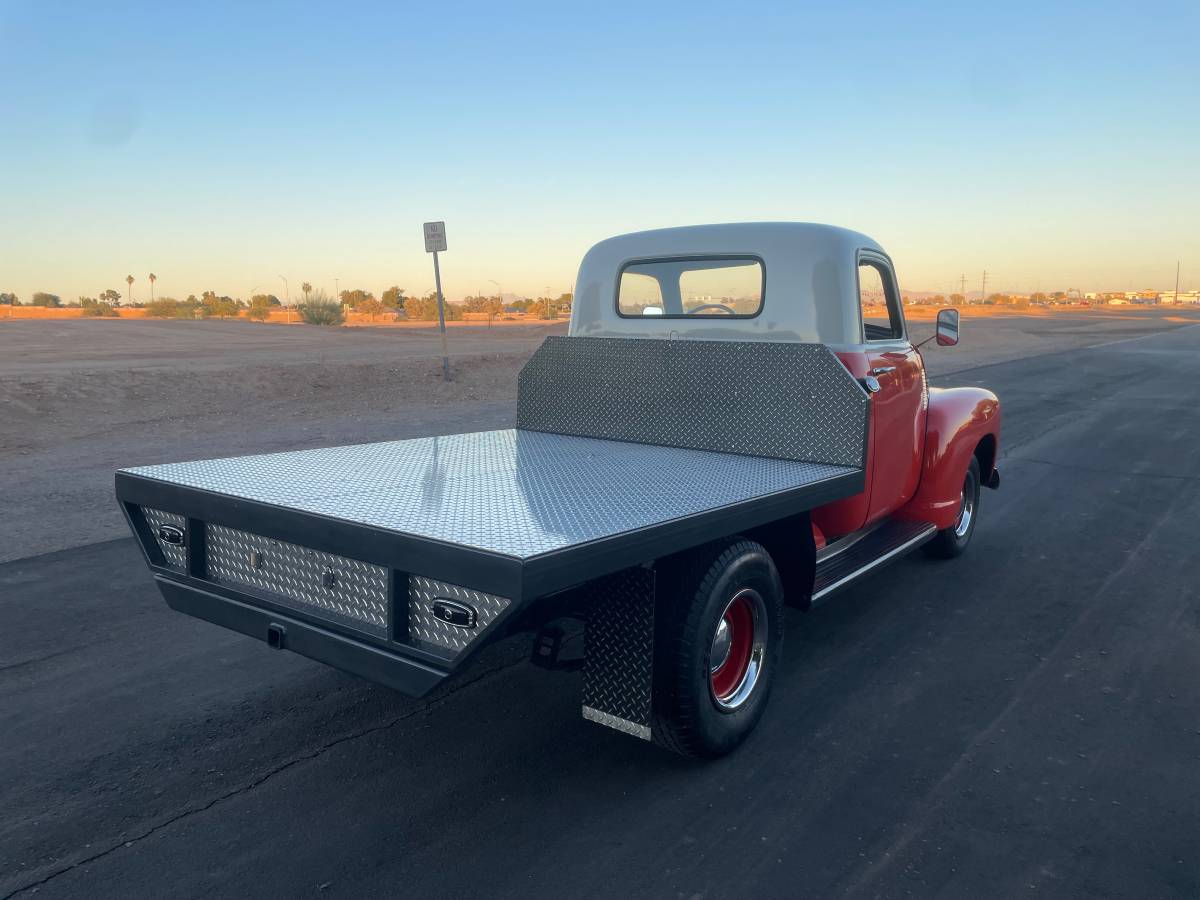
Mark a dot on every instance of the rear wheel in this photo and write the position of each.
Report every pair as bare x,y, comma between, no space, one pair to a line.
952,541
718,639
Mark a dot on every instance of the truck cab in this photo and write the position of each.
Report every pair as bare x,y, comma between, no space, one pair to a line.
811,283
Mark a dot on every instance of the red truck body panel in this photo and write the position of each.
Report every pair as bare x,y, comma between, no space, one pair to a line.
959,421
918,450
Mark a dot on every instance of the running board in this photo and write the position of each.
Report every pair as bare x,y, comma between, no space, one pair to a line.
888,541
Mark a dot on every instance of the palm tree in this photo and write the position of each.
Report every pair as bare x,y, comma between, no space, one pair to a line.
129,281
307,288
153,278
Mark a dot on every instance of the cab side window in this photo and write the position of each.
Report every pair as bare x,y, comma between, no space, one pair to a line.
881,317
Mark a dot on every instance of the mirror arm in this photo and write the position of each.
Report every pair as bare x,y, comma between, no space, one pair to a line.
926,341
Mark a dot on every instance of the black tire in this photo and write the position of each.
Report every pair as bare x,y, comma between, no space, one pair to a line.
698,590
951,542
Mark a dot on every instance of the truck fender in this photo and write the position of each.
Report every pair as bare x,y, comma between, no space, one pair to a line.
961,422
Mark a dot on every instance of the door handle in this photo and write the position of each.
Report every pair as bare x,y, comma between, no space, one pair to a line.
883,370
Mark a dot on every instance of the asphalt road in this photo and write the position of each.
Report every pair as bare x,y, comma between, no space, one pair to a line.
1022,721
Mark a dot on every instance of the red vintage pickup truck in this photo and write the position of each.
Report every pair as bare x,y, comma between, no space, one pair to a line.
737,419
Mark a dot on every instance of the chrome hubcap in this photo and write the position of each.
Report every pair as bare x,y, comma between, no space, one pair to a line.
738,650
966,507
721,645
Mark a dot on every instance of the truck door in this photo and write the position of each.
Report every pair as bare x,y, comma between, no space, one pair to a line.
898,408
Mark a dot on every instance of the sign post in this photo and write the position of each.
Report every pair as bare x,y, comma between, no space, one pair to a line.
435,240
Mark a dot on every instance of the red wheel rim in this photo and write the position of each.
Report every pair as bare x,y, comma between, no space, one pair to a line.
728,671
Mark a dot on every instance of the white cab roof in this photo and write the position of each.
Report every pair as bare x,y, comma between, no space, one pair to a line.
811,292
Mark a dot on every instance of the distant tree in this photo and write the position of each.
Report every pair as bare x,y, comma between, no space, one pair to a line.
353,298
165,308
370,307
268,299
320,308
425,308
307,288
41,298
9,299
393,297
260,307
129,281
212,306
957,299
153,278
111,296
1038,297
96,309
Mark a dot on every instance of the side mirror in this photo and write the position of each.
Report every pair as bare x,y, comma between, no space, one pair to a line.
947,327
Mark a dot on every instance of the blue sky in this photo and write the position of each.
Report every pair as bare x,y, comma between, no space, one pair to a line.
221,145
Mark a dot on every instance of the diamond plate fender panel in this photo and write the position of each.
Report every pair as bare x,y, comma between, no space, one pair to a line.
619,652
775,399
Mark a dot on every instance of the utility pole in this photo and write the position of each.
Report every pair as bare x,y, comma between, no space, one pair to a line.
1176,282
962,286
287,293
983,287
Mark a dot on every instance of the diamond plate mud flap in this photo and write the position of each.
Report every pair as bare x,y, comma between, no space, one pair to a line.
619,652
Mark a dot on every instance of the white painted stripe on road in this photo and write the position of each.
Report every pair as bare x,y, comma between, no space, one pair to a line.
1141,337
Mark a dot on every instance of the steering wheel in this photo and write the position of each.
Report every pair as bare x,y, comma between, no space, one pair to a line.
721,306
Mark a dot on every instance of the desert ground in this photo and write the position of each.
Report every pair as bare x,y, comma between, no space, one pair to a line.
1020,721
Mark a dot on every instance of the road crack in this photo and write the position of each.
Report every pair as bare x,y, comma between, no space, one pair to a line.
265,777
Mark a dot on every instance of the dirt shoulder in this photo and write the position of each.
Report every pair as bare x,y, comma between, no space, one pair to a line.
71,416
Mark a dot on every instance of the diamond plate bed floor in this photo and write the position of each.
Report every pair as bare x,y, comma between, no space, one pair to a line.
512,492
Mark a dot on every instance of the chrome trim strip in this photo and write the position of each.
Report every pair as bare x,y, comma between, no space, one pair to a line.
603,718
921,538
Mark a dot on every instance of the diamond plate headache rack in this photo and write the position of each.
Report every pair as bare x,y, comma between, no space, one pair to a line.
758,398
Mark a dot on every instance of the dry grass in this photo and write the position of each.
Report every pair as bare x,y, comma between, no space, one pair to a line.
279,316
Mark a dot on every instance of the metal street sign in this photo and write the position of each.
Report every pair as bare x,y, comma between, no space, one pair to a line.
435,236
435,241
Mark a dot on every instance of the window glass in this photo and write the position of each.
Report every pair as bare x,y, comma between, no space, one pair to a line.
692,288
640,295
880,305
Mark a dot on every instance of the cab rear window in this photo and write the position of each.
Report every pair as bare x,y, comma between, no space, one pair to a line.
692,287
